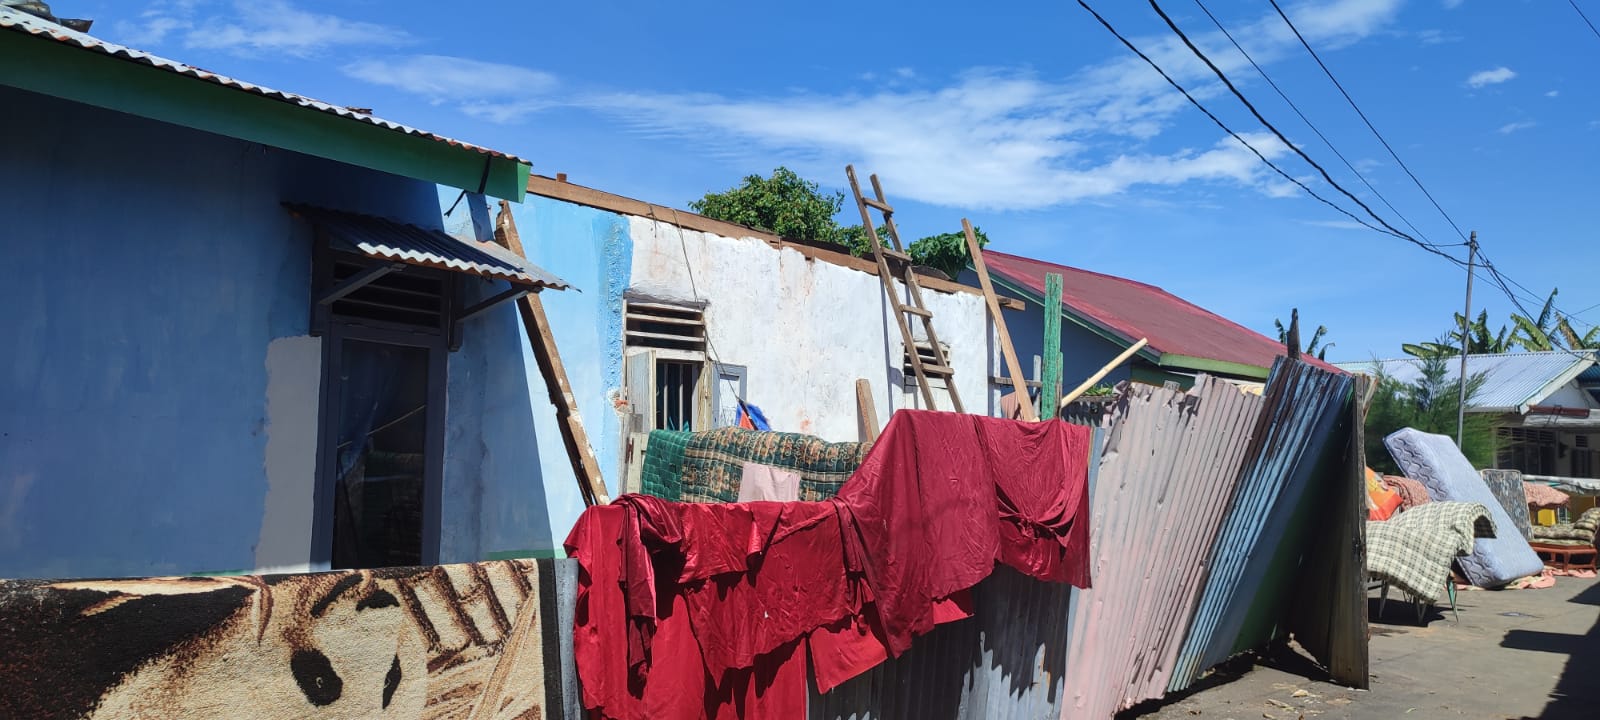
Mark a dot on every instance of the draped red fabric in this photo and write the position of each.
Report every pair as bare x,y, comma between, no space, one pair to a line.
710,611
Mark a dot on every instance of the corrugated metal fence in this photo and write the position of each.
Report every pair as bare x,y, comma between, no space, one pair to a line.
1007,662
1167,473
1257,552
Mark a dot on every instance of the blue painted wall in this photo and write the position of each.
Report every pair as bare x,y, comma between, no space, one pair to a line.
148,267
592,250
1082,352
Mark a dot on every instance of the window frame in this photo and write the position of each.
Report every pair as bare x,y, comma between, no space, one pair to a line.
338,330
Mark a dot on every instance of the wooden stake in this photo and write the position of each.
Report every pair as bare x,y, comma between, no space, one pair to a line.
1007,350
867,410
1118,360
1050,391
590,484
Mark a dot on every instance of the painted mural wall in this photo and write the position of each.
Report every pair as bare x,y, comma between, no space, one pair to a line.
161,386
480,640
806,329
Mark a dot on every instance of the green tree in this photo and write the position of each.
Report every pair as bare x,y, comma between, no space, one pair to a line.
1480,340
1537,334
785,204
1428,404
946,252
1440,347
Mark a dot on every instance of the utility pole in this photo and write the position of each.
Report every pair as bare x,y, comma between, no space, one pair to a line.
1466,324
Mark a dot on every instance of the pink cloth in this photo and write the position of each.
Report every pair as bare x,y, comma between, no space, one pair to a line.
765,482
1541,495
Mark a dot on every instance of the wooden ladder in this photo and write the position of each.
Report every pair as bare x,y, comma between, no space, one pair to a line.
897,258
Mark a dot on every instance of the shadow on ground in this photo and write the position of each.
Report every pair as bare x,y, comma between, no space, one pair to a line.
1279,656
1577,693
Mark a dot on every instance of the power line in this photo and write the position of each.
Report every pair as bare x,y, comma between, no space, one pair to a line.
1236,136
1592,29
1364,119
1281,137
1313,126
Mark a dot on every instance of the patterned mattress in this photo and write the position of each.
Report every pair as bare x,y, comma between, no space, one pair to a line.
1434,461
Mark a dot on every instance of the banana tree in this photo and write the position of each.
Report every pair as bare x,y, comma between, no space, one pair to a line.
1537,334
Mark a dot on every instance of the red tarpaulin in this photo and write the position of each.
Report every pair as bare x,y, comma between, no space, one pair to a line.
711,611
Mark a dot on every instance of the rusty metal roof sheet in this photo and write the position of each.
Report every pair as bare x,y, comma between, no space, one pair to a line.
22,22
386,239
1167,473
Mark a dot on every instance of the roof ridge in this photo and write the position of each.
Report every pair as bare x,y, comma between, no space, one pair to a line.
1085,271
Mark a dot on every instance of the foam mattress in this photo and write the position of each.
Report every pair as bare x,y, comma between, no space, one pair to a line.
1434,461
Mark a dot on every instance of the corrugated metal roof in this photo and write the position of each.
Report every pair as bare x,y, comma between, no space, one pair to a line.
1512,380
390,240
22,22
1167,473
1302,406
1133,310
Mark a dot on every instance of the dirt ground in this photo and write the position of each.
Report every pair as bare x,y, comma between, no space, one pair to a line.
1513,654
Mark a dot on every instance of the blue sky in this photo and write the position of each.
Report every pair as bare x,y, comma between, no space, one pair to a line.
1031,120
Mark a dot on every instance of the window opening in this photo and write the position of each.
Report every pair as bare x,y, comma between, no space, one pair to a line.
676,384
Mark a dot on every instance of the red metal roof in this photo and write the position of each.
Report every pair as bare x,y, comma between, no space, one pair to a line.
1132,310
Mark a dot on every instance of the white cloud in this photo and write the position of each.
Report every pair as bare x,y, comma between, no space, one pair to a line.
1509,128
1552,93
1436,37
492,91
988,137
1491,77
1452,4
254,27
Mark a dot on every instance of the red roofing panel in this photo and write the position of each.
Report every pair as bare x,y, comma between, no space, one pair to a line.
1134,310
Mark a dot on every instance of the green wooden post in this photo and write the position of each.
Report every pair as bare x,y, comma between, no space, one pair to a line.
1050,390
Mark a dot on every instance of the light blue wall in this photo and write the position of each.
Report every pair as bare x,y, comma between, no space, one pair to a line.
147,267
592,250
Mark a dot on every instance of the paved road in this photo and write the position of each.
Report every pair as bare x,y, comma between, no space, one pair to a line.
1514,654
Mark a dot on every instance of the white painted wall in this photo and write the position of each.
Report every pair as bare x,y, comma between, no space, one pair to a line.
1570,395
806,329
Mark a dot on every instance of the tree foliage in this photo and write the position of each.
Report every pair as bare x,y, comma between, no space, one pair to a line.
1429,404
789,206
785,204
1548,330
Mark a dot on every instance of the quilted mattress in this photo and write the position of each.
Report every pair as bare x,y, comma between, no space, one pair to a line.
1434,461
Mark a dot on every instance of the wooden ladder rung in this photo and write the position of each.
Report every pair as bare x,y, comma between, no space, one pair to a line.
914,310
939,371
869,202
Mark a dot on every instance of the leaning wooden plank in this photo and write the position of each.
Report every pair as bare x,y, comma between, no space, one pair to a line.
1007,350
1050,393
1102,372
590,484
867,410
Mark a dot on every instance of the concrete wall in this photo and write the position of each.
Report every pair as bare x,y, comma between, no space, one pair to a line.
160,386
806,329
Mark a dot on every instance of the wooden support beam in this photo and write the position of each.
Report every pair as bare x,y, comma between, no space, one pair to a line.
357,281
1007,350
590,484
483,307
866,410
1104,371
1050,394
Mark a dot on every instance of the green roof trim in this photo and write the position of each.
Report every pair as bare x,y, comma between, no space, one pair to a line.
60,70
1106,334
1219,367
